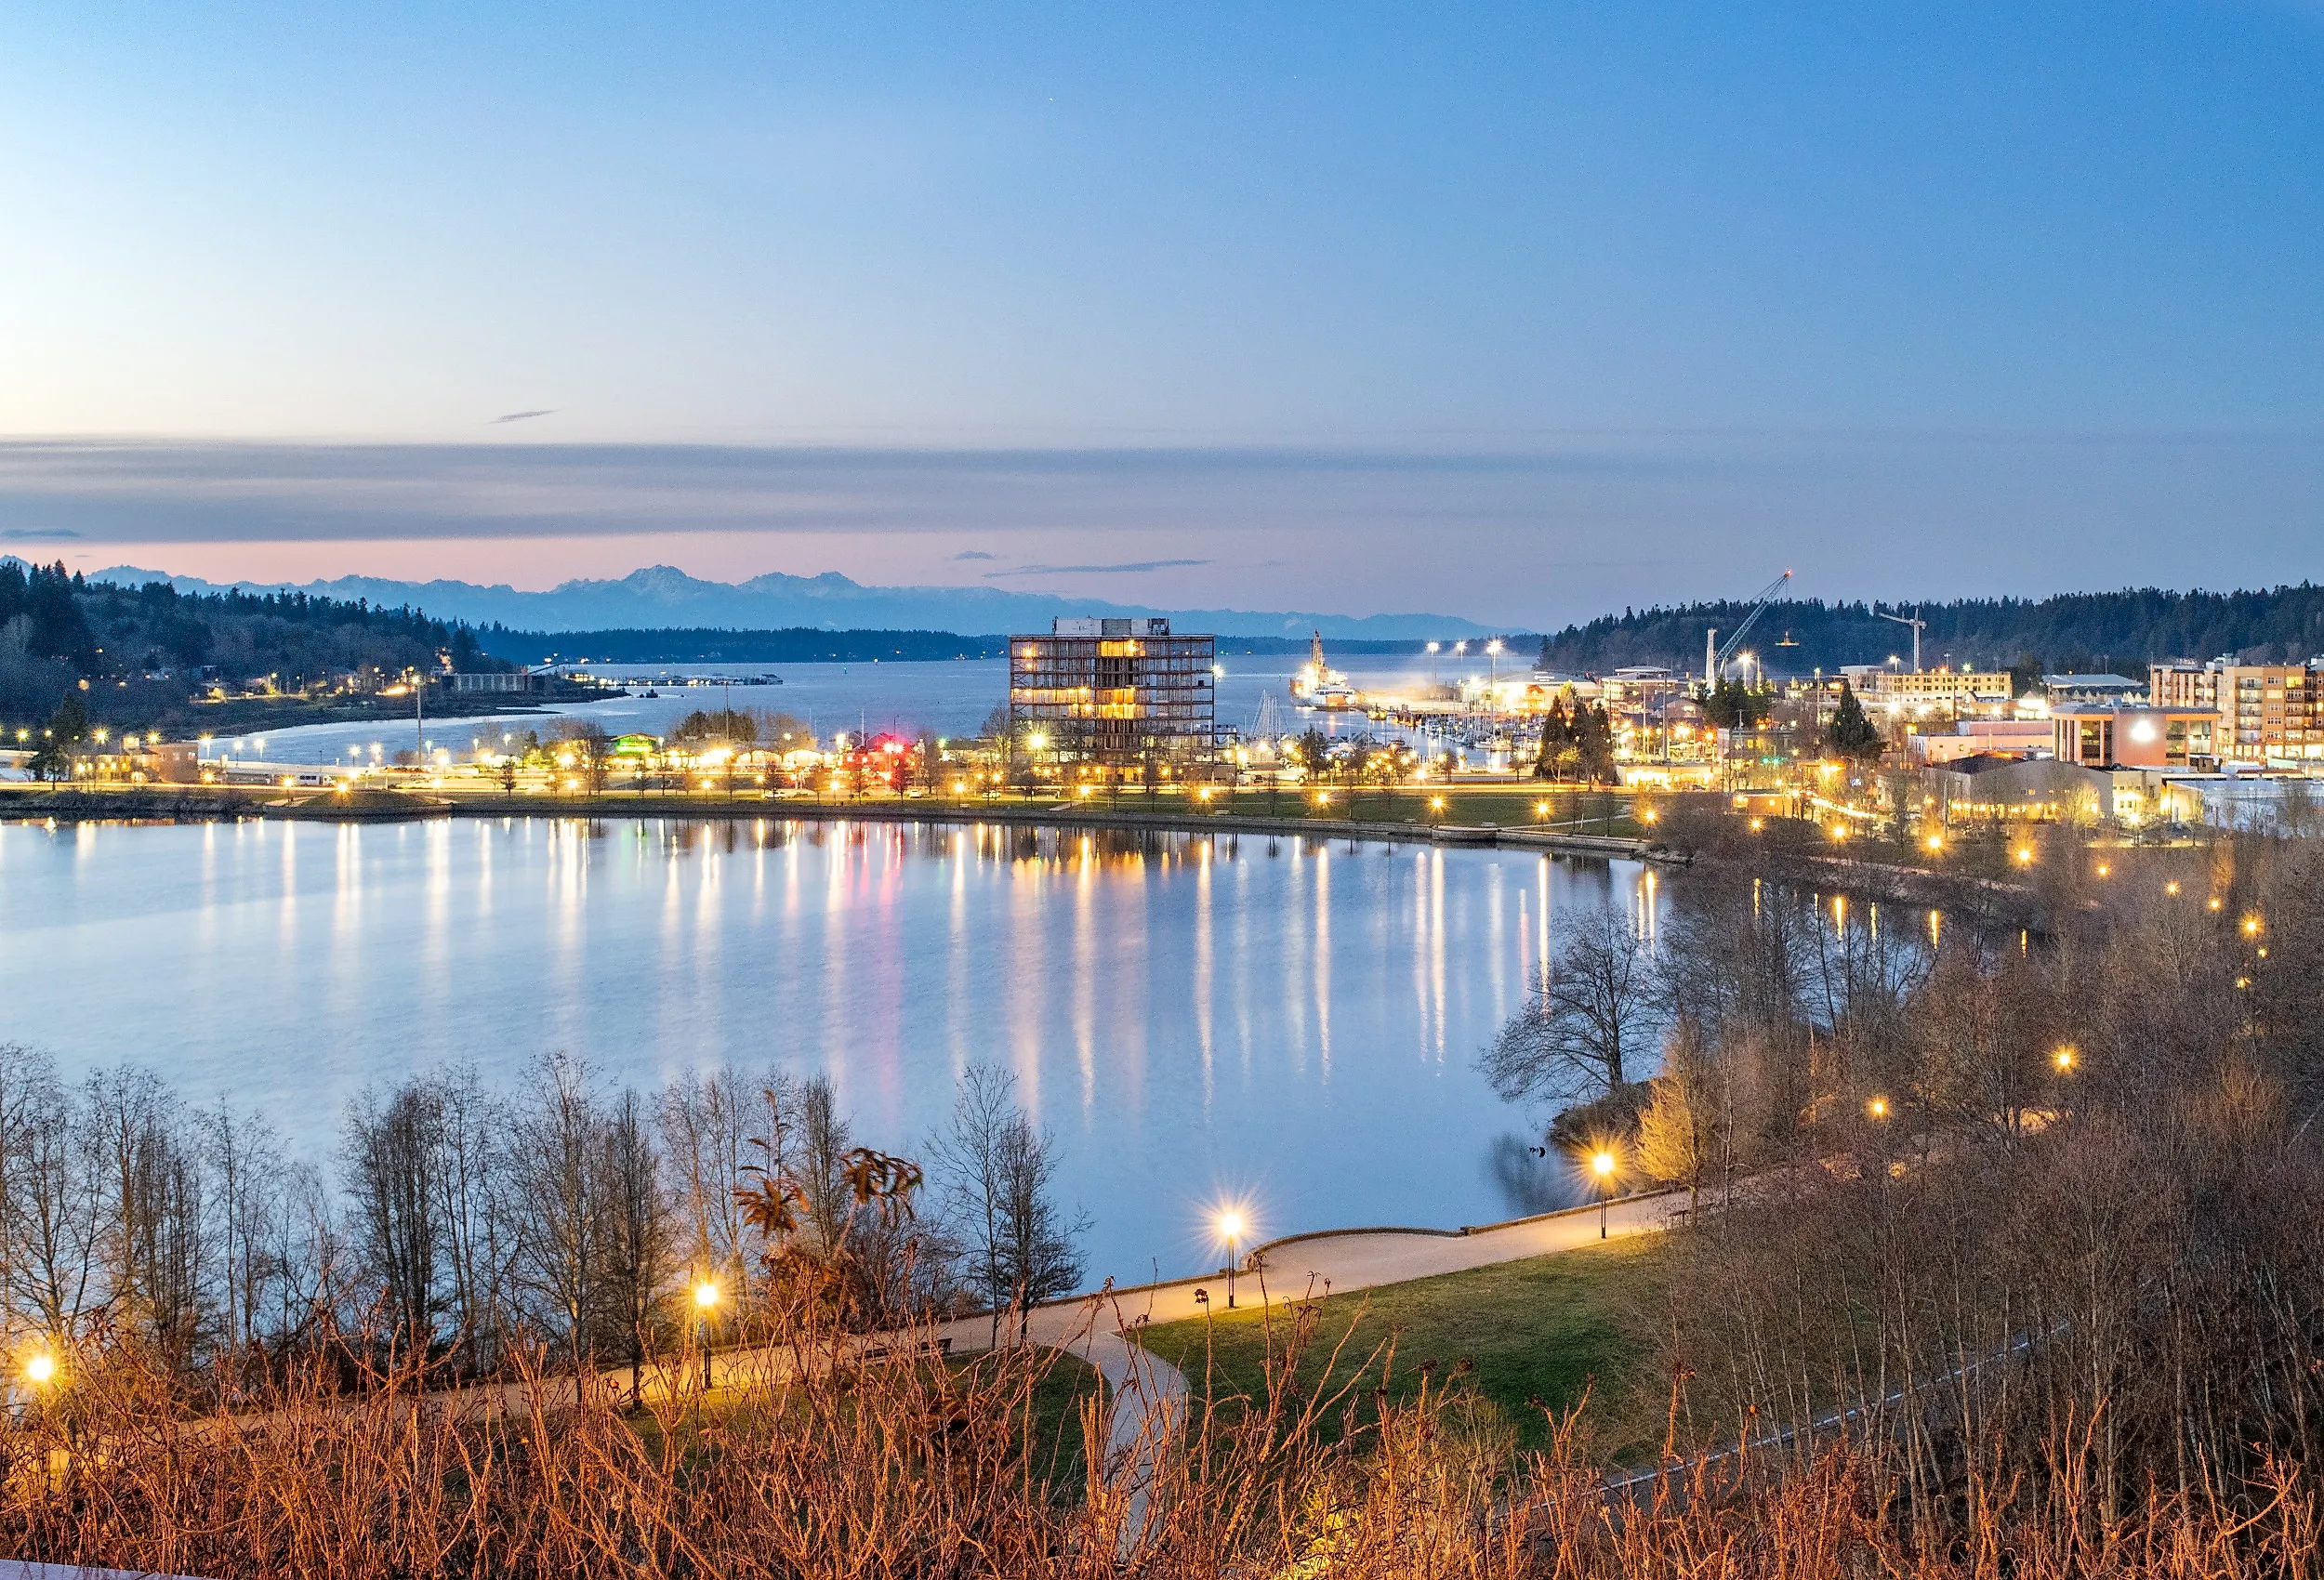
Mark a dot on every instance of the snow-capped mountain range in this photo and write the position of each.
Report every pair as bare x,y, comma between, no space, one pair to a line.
660,596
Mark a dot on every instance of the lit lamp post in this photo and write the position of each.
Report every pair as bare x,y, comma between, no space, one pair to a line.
40,1374
1601,1166
706,1302
1229,1230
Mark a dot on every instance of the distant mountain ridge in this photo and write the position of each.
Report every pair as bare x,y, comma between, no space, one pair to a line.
662,595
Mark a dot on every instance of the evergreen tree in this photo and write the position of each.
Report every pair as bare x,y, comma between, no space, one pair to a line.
1593,745
1850,733
1557,744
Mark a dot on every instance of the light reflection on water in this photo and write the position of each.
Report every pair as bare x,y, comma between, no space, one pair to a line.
1195,1017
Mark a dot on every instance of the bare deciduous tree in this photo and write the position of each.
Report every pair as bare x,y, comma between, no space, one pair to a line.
51,1185
1579,1029
638,1252
970,1158
392,1151
560,1138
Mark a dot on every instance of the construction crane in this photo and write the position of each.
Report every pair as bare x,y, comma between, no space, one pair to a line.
1716,653
1918,625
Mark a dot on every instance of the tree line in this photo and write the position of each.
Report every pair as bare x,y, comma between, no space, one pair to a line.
138,648
460,1232
2071,631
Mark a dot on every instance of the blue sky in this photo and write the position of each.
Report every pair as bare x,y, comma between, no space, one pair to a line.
1927,299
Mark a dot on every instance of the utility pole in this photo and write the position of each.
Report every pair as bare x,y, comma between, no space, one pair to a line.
420,718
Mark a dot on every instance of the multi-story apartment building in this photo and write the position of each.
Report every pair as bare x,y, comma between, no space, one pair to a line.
2266,712
1959,693
2269,711
2184,685
1115,693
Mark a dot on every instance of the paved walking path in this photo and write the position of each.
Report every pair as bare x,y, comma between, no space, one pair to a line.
1150,1394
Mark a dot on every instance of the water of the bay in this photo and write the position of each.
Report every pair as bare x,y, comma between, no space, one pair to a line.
943,699
1289,1024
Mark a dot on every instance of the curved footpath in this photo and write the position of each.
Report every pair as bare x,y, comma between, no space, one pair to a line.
1150,1394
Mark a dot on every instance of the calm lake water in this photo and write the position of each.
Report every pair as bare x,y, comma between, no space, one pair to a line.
1195,1018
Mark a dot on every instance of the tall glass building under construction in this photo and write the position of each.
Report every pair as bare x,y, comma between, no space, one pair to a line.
1115,694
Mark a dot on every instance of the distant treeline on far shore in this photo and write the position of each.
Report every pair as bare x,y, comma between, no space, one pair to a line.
2121,631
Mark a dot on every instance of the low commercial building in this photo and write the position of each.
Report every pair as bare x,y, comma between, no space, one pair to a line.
2061,689
2241,801
1115,694
1981,737
517,682
1996,789
2107,735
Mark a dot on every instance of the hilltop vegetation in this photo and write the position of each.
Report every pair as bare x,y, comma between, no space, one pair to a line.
145,652
2078,631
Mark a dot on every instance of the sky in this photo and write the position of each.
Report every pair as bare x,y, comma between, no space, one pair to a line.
1516,312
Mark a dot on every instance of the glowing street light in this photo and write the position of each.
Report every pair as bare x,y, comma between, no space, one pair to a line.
706,1296
1230,1228
40,1368
1602,1164
1877,1108
2064,1060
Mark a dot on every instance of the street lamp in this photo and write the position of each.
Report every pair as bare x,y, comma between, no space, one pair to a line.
2064,1060
40,1369
706,1302
1229,1230
1877,1108
1602,1164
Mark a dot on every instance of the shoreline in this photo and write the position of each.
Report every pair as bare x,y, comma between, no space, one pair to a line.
220,804
1876,881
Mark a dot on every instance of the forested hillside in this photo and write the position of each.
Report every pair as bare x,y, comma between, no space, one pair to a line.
145,650
2121,630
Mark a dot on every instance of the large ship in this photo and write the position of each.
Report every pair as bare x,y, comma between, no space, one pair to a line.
1318,685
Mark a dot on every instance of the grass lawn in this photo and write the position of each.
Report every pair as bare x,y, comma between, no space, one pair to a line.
1547,1328
1056,1435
